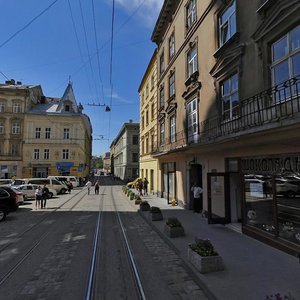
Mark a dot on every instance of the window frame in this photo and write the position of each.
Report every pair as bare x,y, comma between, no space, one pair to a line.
36,154
227,23
192,61
16,128
162,97
2,107
38,131
162,133
65,154
66,133
171,46
172,87
46,154
173,129
162,63
2,127
191,115
14,149
47,132
191,13
17,107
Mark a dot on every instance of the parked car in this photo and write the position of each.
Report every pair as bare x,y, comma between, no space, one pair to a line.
51,183
64,179
28,191
5,182
286,187
8,199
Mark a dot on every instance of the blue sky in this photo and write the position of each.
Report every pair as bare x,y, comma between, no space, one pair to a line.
47,53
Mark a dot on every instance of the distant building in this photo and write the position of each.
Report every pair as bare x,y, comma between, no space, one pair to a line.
125,151
148,124
106,162
41,136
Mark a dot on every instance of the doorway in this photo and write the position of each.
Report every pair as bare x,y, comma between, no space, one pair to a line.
195,175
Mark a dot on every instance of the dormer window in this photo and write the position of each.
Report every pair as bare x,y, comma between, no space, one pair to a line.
67,107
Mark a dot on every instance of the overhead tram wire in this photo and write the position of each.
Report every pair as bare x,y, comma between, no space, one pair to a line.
28,24
4,75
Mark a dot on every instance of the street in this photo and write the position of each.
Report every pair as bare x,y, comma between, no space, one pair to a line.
89,247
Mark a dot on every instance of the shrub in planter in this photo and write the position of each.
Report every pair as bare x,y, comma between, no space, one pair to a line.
156,214
204,257
173,228
131,197
138,201
144,206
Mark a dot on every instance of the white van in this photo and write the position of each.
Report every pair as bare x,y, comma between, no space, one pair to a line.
73,179
50,183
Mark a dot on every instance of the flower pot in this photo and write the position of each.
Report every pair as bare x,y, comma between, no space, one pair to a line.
173,232
158,216
205,264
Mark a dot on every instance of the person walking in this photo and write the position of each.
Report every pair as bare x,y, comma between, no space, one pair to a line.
145,186
97,188
198,201
38,195
140,186
45,193
88,185
70,186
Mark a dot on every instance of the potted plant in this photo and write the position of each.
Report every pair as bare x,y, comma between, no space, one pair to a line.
138,200
204,257
155,213
173,228
131,197
144,206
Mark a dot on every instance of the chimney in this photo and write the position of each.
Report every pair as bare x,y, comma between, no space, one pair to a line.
130,121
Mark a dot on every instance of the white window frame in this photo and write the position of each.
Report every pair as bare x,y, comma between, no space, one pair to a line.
173,129
47,133
16,128
38,131
162,133
230,95
192,120
65,154
191,14
36,154
2,107
172,90
14,149
47,154
192,60
285,93
171,46
66,133
2,127
17,108
227,24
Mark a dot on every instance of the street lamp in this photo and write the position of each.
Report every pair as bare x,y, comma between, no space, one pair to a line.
107,108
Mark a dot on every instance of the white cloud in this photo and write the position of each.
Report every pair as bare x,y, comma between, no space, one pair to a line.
147,9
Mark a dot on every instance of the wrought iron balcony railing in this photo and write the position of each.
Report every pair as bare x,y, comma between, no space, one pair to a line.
270,106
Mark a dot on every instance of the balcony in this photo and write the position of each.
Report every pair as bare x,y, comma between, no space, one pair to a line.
278,106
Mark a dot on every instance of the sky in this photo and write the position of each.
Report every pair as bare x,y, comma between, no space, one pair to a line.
49,42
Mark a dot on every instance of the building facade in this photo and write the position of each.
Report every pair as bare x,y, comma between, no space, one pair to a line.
228,81
148,124
125,152
57,138
16,100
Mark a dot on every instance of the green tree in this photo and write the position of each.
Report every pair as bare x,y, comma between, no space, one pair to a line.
99,163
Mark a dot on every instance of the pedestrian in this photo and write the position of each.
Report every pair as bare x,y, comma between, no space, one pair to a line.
145,186
45,193
97,188
140,186
88,185
70,186
198,201
38,195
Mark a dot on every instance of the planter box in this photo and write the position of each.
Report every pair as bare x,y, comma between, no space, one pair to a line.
173,232
144,207
205,264
156,216
137,202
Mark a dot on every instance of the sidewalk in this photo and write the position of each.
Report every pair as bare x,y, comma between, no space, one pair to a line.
253,270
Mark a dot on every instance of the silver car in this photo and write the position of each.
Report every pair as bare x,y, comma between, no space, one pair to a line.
28,191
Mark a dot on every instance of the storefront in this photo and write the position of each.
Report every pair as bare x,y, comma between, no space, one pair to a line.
271,200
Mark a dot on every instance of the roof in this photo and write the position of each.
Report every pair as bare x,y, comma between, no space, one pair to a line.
130,124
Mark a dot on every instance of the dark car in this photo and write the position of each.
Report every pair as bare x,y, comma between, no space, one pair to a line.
8,201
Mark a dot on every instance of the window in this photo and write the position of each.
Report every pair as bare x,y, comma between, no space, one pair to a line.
152,142
66,133
147,145
173,129
67,108
2,107
16,107
162,133
192,61
16,128
37,133
135,157
147,117
161,64
152,111
143,145
65,154
227,24
171,46
36,154
46,153
192,118
191,13
162,97
172,85
135,139
147,90
143,122
286,61
14,149
1,148
152,82
1,127
47,133
142,98
230,97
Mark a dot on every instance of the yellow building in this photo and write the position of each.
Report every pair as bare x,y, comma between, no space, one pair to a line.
148,124
57,138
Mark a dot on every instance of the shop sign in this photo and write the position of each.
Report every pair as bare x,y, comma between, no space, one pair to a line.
271,164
